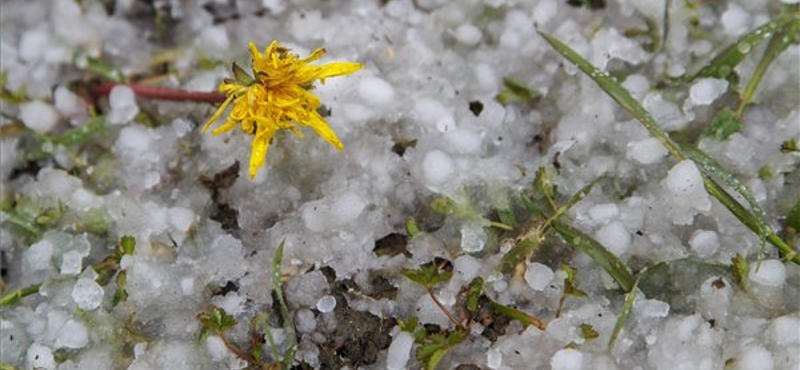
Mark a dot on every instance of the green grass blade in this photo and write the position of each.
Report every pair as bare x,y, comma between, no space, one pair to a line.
626,100
518,253
288,357
515,314
79,134
16,296
618,93
723,64
623,316
532,239
777,44
712,168
607,260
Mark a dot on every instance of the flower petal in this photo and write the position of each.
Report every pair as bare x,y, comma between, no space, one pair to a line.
318,124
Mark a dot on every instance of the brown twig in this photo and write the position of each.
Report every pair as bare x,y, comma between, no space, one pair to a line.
237,351
162,93
444,309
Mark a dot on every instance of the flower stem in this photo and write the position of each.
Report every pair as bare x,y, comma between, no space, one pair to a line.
162,93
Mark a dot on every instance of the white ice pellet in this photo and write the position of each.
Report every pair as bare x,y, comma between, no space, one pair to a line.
83,199
399,351
647,151
463,141
38,116
33,44
347,208
650,308
567,359
706,90
466,267
770,273
72,335
180,218
785,330
544,11
468,34
326,304
214,39
790,1
437,167
615,237
473,237
187,285
216,348
71,263
638,85
38,256
704,242
376,91
603,213
735,20
67,103
305,322
40,357
429,111
87,294
123,105
686,192
494,358
538,276
755,357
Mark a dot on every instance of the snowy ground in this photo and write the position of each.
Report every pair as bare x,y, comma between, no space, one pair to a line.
421,121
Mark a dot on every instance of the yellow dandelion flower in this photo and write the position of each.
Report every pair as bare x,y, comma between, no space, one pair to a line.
277,97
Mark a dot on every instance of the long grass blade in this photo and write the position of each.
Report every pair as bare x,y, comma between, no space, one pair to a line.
626,100
623,316
607,260
723,64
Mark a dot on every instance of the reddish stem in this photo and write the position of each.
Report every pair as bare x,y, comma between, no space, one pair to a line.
162,93
444,309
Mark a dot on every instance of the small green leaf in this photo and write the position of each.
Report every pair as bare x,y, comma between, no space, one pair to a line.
215,320
516,93
443,205
437,347
428,275
127,244
409,325
515,314
569,283
241,76
740,270
793,217
588,332
723,125
506,217
766,172
411,227
120,295
623,316
474,294
789,146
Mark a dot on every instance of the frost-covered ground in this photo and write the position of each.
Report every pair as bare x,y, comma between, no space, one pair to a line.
420,122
